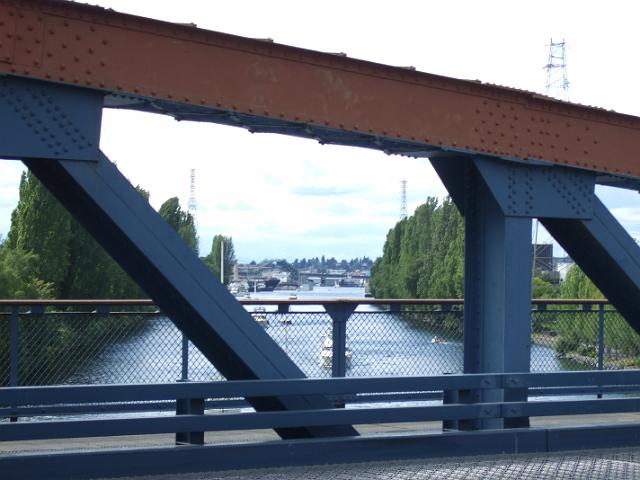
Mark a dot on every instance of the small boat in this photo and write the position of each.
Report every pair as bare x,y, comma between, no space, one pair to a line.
438,339
293,296
285,320
260,316
326,354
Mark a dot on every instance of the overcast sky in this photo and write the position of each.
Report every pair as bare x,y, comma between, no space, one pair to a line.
285,197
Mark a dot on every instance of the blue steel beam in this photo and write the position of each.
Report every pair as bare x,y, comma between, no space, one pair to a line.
607,254
150,425
45,120
564,199
497,312
124,223
154,255
77,394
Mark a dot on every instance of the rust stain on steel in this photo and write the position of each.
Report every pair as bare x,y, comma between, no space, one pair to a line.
90,46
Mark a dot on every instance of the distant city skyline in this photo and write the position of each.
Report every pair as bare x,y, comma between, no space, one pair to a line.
290,198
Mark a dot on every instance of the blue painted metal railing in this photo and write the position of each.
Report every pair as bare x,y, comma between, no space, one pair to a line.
65,411
36,396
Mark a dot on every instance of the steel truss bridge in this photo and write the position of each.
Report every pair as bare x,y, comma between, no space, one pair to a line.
506,157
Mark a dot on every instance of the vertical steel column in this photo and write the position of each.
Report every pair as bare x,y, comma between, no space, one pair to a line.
339,314
497,313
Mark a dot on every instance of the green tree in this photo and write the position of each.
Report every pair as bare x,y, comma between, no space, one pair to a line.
578,285
69,261
17,276
213,259
542,288
422,255
41,226
181,221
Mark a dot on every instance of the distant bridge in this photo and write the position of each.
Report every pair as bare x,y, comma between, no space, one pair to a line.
359,279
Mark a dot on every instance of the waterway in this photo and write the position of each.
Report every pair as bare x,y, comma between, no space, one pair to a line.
382,344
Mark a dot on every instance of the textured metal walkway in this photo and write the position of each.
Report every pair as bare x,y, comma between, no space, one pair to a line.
587,464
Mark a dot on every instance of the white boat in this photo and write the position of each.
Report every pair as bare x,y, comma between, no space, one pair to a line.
438,339
260,316
293,296
326,353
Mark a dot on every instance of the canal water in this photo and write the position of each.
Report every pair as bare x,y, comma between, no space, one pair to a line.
381,344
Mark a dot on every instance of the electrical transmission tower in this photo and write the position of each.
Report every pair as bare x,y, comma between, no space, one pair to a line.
403,199
556,67
557,86
192,206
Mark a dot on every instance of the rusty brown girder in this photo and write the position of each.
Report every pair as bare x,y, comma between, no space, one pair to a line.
101,49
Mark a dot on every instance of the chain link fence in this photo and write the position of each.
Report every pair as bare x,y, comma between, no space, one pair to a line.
587,337
145,347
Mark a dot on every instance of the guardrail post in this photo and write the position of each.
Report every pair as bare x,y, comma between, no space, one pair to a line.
15,351
190,406
185,359
339,314
450,397
601,339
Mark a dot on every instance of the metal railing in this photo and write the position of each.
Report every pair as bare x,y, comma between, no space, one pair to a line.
129,341
61,359
190,425
84,394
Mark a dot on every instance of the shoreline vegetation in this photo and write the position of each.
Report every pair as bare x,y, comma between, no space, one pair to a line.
423,257
47,254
